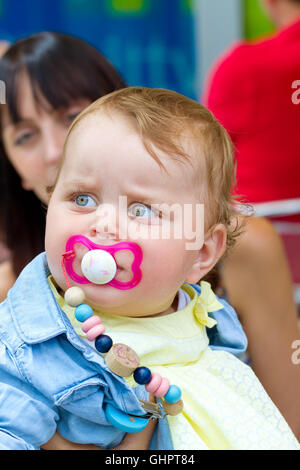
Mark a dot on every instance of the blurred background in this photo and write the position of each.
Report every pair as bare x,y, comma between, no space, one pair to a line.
156,43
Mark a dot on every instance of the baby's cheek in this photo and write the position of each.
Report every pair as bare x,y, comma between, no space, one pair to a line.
54,259
55,247
162,261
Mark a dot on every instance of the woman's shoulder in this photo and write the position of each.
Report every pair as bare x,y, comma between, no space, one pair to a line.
7,278
259,238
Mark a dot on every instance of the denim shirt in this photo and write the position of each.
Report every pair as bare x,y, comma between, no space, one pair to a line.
51,379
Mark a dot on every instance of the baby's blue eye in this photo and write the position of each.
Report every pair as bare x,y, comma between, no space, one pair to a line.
141,211
84,201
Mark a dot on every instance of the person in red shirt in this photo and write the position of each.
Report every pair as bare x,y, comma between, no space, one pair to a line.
254,91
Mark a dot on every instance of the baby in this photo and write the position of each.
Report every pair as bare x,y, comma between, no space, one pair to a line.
146,182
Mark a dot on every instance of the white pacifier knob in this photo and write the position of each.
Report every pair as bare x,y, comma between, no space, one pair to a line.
98,266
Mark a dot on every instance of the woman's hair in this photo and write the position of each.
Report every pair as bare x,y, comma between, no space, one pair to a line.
61,69
170,122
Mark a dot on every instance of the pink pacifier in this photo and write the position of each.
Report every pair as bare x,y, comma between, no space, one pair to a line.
98,265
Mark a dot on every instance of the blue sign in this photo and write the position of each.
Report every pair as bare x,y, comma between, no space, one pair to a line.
151,42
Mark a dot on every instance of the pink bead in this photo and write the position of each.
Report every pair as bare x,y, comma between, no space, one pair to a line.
163,388
154,383
94,332
90,323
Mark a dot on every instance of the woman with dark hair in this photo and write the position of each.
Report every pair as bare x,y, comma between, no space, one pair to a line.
49,78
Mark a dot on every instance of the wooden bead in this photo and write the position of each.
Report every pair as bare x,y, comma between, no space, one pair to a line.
82,312
90,323
163,388
173,409
74,296
103,343
122,360
173,395
154,383
94,332
142,375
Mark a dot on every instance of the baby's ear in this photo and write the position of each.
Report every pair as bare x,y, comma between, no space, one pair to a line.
213,248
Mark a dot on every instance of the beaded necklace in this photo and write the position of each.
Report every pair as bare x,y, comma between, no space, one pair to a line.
123,361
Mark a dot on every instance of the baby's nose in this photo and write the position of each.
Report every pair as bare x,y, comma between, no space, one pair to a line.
105,224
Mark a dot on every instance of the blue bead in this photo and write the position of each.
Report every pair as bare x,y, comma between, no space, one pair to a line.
83,312
103,343
142,375
173,395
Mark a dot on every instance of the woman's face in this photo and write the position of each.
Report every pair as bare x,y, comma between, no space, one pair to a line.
34,145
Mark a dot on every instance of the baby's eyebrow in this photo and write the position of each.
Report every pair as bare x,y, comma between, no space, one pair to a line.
147,197
80,185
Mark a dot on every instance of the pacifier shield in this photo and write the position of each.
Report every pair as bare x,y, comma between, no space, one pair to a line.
98,266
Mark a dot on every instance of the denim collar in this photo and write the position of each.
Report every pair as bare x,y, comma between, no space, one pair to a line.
29,298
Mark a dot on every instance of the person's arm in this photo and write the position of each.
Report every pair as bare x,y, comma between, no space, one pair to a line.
257,279
136,441
7,279
140,440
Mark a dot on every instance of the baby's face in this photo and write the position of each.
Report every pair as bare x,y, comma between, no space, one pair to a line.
105,158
